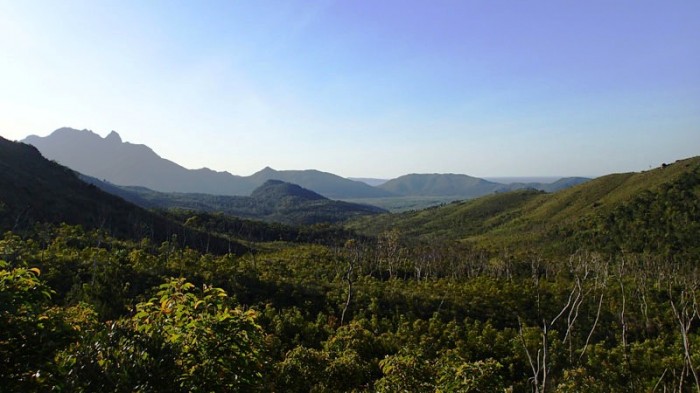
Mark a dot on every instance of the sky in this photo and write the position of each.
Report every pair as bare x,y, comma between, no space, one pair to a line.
363,88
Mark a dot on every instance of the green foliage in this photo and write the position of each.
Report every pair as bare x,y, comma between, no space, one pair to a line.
30,329
182,340
302,370
407,371
217,347
458,375
116,358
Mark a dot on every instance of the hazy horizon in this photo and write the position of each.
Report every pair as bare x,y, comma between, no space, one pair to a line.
505,179
364,89
368,180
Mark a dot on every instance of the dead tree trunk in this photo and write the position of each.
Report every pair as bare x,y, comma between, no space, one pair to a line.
353,258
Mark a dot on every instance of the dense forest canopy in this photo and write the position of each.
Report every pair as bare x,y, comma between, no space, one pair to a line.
591,289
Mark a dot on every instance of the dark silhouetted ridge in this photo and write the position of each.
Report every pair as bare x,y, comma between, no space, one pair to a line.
36,190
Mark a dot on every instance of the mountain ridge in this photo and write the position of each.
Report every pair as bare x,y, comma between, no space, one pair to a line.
128,164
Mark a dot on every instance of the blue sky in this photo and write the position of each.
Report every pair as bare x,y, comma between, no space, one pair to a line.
363,88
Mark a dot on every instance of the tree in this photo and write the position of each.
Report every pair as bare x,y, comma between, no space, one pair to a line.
182,340
31,331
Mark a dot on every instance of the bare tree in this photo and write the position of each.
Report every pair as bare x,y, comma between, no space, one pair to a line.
390,252
686,311
354,249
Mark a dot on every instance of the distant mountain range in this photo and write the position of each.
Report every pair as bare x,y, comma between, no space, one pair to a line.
126,164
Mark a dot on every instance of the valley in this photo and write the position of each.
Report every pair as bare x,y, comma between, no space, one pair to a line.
106,287
110,160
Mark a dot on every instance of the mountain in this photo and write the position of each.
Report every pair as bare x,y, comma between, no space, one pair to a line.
657,209
125,163
440,185
36,190
128,164
292,204
274,201
278,192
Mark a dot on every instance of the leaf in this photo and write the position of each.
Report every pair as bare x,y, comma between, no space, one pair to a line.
35,270
164,307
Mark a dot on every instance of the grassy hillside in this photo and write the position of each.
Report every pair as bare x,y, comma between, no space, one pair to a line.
453,221
531,218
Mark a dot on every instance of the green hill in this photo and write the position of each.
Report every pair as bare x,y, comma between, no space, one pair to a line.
440,185
454,221
581,216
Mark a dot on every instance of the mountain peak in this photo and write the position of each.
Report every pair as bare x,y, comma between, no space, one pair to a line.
72,132
267,169
113,137
277,189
